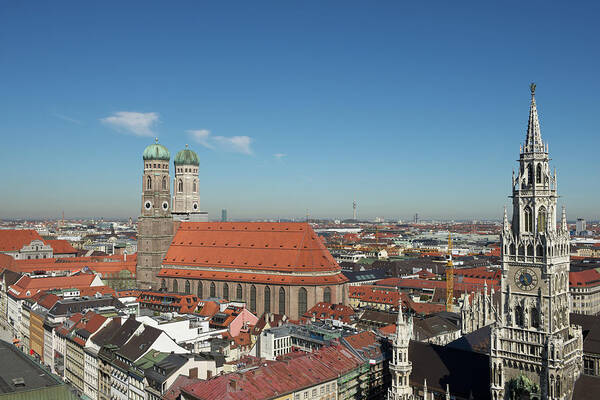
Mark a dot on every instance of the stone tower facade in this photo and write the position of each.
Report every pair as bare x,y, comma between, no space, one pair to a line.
155,229
535,351
400,365
186,190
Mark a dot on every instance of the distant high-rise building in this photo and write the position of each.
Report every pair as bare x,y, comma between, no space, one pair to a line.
354,210
224,215
580,226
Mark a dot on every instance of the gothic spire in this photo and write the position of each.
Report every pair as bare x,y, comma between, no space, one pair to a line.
400,318
533,141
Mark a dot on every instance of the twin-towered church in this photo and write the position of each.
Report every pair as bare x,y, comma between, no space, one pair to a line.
273,267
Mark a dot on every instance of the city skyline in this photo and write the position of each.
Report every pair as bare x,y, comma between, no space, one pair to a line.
285,116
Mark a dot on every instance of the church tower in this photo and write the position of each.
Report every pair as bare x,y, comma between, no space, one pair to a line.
535,351
186,191
400,366
155,228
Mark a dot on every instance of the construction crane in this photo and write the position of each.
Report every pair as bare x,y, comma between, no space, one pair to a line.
449,275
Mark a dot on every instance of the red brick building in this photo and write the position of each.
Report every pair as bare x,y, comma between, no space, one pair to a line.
273,267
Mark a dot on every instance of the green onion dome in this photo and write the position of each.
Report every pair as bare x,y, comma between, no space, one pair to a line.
156,152
186,157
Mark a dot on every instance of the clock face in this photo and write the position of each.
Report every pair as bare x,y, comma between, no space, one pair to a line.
195,206
165,205
526,279
148,205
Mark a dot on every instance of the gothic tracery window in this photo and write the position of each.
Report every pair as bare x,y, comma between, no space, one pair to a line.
267,299
327,295
238,292
302,301
180,186
542,217
253,298
519,315
200,289
188,289
535,317
538,174
213,290
149,183
226,291
175,286
194,187
528,217
281,301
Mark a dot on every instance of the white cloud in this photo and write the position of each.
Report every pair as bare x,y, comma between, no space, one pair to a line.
202,136
279,156
139,124
237,144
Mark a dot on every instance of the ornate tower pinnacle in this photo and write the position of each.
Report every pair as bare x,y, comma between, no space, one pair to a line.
400,366
533,140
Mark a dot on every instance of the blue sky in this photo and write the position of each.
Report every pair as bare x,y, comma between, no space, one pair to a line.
405,107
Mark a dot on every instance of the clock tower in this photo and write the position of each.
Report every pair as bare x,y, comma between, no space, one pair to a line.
535,352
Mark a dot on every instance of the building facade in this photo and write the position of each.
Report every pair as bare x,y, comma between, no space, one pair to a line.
535,351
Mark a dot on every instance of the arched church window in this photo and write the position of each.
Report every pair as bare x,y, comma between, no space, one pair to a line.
238,292
521,250
200,290
194,187
529,175
267,299
281,301
541,222
302,301
512,250
164,183
535,317
149,183
163,284
226,291
253,298
175,286
528,219
327,295
213,290
519,315
188,287
538,174
180,186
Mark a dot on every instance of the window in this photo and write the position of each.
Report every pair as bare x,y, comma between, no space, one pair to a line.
226,291
200,289
194,187
538,174
529,175
164,183
535,318
238,292
180,186
327,295
528,217
267,299
302,301
519,316
149,183
541,222
281,301
163,284
188,289
175,286
253,298
213,290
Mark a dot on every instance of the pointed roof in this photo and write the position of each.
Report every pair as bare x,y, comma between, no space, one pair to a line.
533,141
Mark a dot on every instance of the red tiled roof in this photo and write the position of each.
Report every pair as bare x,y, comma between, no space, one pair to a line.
15,239
61,246
107,266
27,286
209,308
585,278
324,310
185,303
291,373
388,330
256,246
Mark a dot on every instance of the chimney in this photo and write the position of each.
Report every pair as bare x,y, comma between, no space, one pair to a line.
193,373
